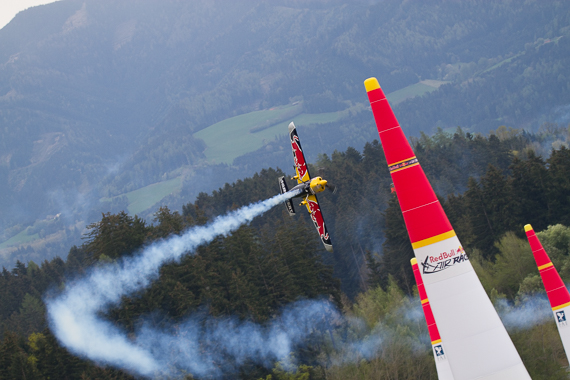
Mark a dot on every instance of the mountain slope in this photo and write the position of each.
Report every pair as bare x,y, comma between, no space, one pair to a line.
99,98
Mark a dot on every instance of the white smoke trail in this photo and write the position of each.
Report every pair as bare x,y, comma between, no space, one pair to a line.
532,310
74,315
403,326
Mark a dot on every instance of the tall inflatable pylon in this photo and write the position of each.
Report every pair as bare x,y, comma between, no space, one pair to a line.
555,289
477,343
441,362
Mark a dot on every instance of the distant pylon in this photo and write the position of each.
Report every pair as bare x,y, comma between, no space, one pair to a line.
477,343
555,289
441,362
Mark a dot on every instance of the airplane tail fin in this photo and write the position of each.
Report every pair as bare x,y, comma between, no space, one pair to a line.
283,188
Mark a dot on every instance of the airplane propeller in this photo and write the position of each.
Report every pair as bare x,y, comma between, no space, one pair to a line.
322,172
331,188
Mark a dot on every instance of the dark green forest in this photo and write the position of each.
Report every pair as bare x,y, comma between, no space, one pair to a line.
99,98
490,188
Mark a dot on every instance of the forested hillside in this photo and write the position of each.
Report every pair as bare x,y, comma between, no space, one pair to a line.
102,103
490,186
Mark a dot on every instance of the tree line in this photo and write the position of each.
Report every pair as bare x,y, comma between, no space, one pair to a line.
489,186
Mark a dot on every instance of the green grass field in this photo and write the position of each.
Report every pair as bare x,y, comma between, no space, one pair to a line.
417,89
139,200
145,197
236,136
246,133
21,238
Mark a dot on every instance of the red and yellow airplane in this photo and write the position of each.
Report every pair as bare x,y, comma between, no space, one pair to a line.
308,188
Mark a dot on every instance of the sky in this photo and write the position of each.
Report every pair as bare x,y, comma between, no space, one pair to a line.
9,8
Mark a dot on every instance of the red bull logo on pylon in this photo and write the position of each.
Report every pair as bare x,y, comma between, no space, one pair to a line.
445,260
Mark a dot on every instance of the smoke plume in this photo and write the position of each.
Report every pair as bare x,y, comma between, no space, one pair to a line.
201,348
530,311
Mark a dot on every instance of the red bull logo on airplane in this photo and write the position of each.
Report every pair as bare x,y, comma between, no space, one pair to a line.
317,218
298,156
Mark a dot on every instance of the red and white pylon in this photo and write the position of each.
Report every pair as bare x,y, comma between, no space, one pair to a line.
555,289
441,362
477,343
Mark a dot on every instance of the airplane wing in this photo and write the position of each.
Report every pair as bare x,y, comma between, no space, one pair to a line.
298,156
317,218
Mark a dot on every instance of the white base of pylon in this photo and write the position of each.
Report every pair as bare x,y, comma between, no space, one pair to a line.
562,319
441,362
477,343
516,372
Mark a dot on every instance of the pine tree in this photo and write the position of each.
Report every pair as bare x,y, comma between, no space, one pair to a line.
397,249
8,348
374,270
53,361
529,184
456,209
499,205
115,235
168,223
558,187
481,222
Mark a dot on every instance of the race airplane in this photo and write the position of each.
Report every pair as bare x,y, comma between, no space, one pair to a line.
308,187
